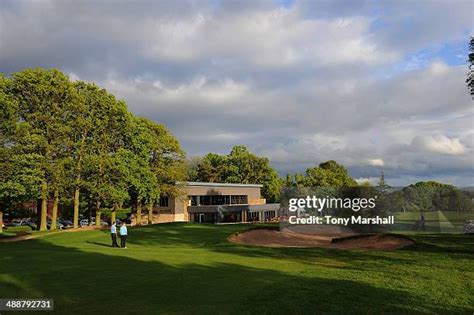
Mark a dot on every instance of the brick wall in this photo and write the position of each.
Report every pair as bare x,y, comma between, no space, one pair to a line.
257,201
157,218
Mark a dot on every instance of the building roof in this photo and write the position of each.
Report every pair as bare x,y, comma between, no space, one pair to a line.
233,208
203,184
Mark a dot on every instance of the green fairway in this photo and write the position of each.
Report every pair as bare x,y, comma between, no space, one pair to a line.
190,268
456,218
436,221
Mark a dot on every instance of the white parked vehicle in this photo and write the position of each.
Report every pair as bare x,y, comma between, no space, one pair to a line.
59,225
17,222
84,222
102,222
468,227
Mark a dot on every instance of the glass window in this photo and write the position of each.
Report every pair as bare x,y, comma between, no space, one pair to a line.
206,200
195,200
253,216
218,200
232,217
239,199
164,202
269,215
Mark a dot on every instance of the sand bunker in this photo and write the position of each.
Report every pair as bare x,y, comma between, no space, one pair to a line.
287,238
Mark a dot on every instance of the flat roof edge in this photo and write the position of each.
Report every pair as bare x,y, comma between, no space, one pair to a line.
204,184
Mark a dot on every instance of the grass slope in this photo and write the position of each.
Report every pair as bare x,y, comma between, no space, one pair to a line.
187,268
12,231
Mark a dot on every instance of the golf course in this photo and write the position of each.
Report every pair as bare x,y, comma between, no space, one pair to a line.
193,268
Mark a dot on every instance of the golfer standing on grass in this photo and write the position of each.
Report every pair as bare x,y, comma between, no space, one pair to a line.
123,235
113,233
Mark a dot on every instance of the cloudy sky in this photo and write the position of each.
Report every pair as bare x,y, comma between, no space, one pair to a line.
375,85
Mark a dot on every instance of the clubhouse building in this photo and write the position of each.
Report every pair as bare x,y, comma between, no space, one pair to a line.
216,203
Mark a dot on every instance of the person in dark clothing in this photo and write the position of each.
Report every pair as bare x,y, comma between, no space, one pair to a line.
113,233
123,235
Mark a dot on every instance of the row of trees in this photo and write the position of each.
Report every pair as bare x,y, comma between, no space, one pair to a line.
430,196
242,166
61,140
422,196
239,166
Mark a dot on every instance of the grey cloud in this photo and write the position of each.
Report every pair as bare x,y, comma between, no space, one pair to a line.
301,84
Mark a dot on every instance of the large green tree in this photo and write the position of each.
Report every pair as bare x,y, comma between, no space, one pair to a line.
329,174
81,137
239,166
61,139
46,100
155,163
166,162
18,163
108,122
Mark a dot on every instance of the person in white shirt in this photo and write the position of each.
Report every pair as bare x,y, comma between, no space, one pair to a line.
123,235
113,233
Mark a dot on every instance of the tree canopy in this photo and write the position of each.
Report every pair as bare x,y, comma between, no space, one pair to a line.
70,139
326,174
239,166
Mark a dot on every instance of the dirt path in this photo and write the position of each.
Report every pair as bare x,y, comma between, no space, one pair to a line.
286,238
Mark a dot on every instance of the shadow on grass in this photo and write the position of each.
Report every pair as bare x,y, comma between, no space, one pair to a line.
100,244
457,244
92,283
435,248
214,238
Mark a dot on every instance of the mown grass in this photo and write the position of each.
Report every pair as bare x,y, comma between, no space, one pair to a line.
190,268
451,216
12,231
435,221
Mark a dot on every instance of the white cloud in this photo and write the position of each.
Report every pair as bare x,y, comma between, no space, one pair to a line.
371,180
439,68
376,162
439,143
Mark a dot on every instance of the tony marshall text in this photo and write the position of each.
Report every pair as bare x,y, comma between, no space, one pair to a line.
327,219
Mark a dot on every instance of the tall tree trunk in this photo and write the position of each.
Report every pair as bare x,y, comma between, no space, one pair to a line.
89,209
76,203
77,183
113,214
150,213
38,213
54,215
44,206
1,221
139,211
97,214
